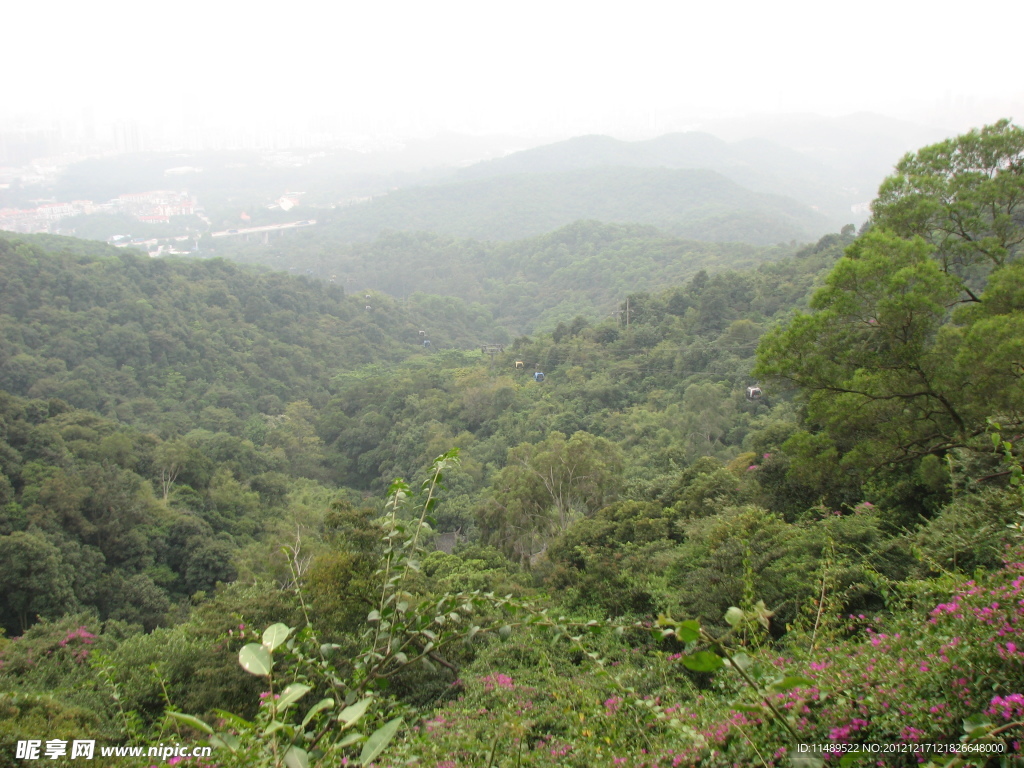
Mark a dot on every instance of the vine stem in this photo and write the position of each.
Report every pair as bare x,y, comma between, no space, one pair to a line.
393,503
1006,727
749,681
752,745
821,597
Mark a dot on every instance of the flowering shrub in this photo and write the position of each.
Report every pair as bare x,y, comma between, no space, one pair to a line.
921,677
914,679
78,642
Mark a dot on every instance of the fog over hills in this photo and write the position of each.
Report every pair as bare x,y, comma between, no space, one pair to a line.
758,164
699,204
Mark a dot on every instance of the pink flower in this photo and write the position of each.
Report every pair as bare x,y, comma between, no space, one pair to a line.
1009,707
498,681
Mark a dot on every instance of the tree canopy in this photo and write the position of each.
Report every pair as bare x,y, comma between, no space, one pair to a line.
913,343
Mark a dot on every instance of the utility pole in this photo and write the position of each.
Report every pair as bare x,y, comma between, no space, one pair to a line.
492,350
620,312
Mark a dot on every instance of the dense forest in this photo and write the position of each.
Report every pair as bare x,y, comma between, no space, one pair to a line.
582,269
723,502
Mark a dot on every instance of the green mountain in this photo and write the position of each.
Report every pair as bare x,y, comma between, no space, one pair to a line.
168,343
757,164
764,517
584,268
696,204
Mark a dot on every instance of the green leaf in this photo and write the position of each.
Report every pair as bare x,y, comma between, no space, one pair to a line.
296,757
976,726
790,682
274,727
320,706
505,632
351,714
227,740
742,660
191,721
230,717
291,694
353,738
688,631
733,616
976,721
752,708
373,616
274,635
379,740
255,659
702,661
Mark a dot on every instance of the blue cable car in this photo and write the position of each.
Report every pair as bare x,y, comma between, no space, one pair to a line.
538,376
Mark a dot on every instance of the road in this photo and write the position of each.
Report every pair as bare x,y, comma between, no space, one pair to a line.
267,228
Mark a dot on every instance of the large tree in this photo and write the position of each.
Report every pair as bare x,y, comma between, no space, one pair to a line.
33,581
965,196
545,487
915,341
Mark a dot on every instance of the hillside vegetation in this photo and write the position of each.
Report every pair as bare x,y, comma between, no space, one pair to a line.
755,509
696,204
583,269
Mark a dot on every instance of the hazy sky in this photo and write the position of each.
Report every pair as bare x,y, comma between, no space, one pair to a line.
519,67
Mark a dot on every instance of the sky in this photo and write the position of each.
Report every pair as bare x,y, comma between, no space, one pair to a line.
523,68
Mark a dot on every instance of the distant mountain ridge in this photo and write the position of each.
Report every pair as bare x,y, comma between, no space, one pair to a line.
698,204
759,164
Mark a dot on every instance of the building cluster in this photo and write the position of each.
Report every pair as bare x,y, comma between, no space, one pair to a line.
151,207
156,206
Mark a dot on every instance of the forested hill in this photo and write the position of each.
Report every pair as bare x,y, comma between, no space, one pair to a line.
756,510
757,164
697,204
165,424
172,344
585,268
